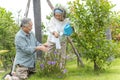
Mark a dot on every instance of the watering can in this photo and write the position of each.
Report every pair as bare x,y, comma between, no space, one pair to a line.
68,30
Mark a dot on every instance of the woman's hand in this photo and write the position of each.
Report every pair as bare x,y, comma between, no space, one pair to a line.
56,34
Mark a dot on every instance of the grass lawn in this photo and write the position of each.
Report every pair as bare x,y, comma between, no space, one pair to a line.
87,73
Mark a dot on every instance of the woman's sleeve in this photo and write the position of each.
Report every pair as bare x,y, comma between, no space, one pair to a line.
51,26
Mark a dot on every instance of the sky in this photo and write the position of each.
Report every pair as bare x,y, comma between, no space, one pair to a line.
20,5
15,6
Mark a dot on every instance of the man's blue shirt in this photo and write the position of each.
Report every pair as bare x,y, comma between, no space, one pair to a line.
25,49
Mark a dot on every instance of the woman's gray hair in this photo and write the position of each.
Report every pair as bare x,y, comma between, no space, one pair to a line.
24,22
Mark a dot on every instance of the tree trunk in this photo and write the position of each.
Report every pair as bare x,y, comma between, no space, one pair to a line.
96,66
37,22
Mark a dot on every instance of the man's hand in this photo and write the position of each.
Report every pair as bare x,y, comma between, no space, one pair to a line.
46,45
42,48
13,73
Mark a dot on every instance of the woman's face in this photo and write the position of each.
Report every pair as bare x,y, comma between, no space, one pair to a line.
59,16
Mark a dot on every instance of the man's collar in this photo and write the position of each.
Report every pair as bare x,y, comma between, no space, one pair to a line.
24,33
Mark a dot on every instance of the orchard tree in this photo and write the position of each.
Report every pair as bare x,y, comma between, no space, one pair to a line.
90,19
8,28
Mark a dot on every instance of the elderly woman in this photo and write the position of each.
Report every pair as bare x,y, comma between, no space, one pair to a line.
56,39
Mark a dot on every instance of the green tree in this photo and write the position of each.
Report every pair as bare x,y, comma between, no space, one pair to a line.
91,18
8,29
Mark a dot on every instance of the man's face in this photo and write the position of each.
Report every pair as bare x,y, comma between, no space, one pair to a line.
59,16
28,27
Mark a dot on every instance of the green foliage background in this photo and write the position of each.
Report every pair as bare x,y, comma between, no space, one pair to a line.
8,28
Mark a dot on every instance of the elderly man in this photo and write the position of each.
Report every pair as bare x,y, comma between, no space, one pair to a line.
26,48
